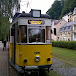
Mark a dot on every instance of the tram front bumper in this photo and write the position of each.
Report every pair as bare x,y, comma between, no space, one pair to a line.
35,68
38,67
31,67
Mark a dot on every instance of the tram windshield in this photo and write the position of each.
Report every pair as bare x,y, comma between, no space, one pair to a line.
34,34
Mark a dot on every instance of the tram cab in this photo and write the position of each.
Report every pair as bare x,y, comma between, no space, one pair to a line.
30,41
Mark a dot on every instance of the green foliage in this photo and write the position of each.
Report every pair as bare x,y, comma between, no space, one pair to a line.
5,13
55,10
68,6
65,44
4,28
60,8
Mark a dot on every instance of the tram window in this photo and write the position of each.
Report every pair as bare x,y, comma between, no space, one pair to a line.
23,34
36,35
48,34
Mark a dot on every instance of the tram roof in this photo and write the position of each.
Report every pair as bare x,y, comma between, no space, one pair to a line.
17,15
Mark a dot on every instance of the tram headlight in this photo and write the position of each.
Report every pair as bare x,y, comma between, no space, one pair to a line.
37,58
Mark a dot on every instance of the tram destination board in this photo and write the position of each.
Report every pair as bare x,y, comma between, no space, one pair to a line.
40,22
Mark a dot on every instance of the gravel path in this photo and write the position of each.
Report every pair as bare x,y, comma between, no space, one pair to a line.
59,67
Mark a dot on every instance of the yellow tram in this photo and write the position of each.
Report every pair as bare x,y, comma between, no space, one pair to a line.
30,41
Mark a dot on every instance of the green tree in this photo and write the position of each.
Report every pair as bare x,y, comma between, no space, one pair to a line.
69,6
6,7
55,10
60,8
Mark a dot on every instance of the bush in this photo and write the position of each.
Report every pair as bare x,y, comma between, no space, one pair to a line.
65,44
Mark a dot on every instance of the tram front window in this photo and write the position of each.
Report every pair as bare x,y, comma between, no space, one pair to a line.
36,35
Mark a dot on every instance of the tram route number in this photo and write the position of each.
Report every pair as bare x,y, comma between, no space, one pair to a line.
36,52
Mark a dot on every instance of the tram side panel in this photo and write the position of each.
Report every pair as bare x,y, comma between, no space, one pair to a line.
17,55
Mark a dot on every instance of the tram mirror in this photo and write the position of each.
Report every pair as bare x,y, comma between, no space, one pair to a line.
12,31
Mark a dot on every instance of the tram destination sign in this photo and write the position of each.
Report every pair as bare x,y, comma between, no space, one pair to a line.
40,22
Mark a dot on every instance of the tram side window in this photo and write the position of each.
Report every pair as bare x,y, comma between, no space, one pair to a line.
23,34
48,34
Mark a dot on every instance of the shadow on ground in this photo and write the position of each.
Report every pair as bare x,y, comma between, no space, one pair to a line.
41,73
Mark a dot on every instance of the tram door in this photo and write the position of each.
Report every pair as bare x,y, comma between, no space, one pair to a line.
13,45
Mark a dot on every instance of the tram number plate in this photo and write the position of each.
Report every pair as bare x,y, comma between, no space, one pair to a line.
36,52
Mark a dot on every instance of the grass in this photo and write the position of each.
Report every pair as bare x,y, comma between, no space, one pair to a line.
68,56
51,73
